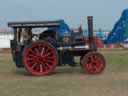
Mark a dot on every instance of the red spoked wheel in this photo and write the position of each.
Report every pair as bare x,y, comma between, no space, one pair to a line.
40,58
93,63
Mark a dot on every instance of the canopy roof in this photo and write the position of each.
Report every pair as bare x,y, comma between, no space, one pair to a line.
34,24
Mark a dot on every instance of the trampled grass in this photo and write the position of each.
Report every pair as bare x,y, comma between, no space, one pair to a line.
67,81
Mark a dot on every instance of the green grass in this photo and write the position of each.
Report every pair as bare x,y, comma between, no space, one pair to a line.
67,81
116,61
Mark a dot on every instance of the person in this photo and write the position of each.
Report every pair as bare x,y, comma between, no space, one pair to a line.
26,36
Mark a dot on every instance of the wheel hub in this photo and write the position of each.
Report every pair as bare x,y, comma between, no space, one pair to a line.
94,63
40,58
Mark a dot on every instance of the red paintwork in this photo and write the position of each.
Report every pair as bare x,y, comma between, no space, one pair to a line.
93,63
97,40
40,58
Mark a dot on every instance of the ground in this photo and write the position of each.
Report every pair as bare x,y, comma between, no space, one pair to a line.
67,81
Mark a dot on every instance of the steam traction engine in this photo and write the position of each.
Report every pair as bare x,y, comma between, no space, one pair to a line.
57,45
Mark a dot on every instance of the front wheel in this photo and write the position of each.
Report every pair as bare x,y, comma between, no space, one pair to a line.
93,63
40,58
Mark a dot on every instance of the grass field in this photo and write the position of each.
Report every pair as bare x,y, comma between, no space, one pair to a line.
67,81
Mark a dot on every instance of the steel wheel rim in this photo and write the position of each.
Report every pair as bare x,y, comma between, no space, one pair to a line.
94,63
40,58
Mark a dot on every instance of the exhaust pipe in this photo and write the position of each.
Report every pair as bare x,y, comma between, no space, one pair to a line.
90,33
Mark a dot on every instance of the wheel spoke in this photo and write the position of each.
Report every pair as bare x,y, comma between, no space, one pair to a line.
99,60
46,50
31,62
48,65
89,66
42,51
49,58
37,51
49,61
36,68
31,55
41,69
34,65
40,58
33,52
46,54
92,58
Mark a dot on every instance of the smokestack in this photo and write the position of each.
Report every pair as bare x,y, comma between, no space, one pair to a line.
90,32
90,28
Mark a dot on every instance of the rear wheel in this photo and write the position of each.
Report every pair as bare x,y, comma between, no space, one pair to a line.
40,58
93,63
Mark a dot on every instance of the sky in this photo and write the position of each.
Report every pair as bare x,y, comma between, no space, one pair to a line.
74,12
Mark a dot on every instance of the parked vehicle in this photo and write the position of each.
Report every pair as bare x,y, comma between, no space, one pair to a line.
41,53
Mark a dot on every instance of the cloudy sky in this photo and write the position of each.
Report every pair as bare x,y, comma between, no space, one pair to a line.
105,12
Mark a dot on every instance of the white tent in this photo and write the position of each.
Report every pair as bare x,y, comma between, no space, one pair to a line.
5,40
